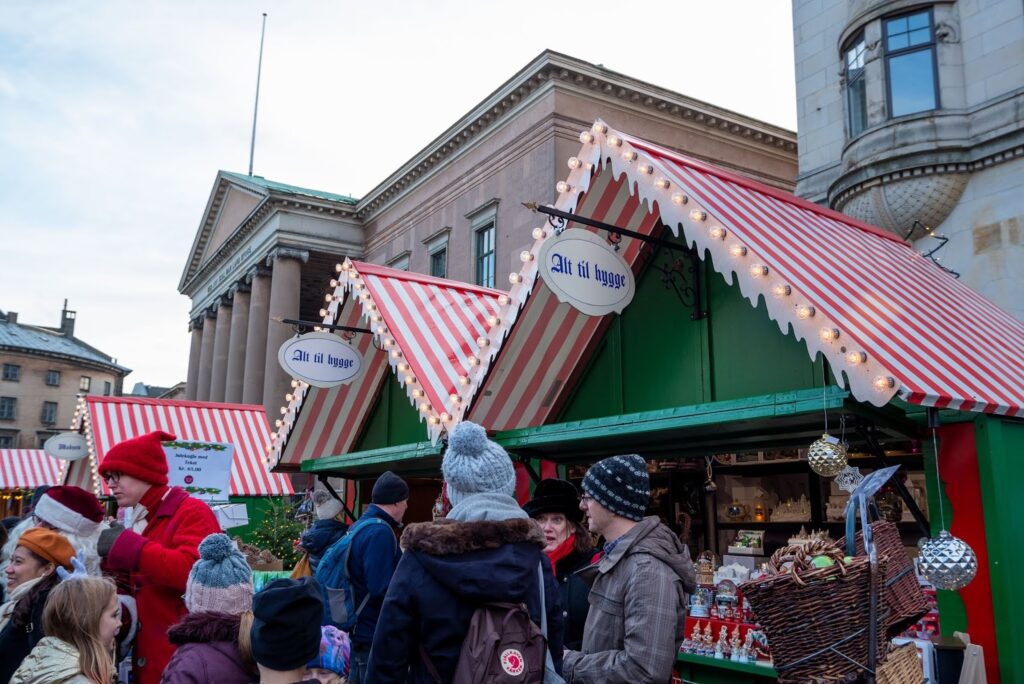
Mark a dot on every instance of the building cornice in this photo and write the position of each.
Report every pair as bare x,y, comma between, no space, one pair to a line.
272,201
552,70
79,361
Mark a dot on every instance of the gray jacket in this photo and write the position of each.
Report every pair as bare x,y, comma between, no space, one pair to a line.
637,609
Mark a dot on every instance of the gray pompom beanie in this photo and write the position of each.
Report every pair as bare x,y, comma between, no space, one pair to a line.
221,580
474,464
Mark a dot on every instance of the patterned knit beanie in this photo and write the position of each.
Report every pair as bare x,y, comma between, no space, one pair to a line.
621,485
221,580
474,464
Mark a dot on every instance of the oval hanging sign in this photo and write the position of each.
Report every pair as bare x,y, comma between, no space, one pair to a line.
321,359
586,272
67,446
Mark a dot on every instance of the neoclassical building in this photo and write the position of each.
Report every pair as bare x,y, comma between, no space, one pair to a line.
266,251
911,117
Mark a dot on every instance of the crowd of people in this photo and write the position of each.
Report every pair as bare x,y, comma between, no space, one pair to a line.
583,587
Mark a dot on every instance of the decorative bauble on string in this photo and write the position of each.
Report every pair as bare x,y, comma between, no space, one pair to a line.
827,456
947,562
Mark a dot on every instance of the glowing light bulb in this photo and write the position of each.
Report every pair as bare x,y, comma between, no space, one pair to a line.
370,306
574,163
855,358
463,380
359,286
410,379
473,361
454,398
662,183
433,420
328,297
698,215
614,141
278,423
365,296
884,382
445,417
599,128
284,410
526,256
402,367
515,278
482,342
346,266
295,383
586,137
782,290
805,311
381,330
829,334
503,300
680,199
738,251
334,283
424,407
395,354
288,398
338,268
417,393
539,234
562,187
759,270
389,342
323,313
717,232
645,168
493,321
629,155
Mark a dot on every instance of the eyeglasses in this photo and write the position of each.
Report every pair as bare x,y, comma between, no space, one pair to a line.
585,500
112,477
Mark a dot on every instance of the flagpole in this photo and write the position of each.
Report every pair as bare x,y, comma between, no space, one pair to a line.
256,106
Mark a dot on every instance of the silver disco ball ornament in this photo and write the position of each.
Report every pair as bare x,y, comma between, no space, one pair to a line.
947,562
827,456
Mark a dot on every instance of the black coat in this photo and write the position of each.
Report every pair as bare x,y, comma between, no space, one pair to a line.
447,570
320,537
17,642
575,594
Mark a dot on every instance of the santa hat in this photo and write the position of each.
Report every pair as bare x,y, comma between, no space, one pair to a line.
141,457
71,510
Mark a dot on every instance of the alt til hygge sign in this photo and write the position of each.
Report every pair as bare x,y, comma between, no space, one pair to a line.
586,272
321,359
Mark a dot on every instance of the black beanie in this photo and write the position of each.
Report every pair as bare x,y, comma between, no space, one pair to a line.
621,485
286,623
389,489
555,496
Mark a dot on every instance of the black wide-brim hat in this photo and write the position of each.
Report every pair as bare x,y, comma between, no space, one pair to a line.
555,496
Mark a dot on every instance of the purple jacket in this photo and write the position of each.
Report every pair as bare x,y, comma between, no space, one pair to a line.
207,651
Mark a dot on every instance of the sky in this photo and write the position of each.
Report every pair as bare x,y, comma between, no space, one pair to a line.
115,117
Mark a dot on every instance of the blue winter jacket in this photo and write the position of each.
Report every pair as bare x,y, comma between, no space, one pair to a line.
371,564
320,537
448,569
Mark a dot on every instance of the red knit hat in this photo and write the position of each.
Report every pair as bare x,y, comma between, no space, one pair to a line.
70,509
142,458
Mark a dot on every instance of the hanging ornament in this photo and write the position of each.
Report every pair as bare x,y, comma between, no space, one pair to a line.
827,456
849,478
947,562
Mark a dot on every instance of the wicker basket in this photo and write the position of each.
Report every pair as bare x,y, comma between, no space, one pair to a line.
810,613
902,596
902,666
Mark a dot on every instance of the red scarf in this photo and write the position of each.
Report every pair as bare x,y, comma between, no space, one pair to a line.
561,551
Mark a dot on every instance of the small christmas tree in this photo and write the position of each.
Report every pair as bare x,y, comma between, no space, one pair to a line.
278,532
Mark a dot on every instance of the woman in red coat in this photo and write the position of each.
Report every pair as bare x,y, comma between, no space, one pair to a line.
158,551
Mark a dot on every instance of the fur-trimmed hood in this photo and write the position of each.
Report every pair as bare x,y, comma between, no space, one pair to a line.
204,628
449,537
485,560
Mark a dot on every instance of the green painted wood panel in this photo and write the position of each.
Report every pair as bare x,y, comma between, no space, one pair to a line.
749,354
952,614
392,421
653,356
1000,446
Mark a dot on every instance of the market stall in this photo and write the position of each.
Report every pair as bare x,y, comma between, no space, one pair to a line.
21,471
105,421
818,324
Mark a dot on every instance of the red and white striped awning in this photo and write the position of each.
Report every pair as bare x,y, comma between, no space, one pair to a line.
106,421
888,320
28,469
438,336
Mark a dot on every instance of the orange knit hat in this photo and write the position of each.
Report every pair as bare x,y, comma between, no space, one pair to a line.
49,545
141,457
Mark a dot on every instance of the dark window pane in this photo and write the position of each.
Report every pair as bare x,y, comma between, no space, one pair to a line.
439,263
485,256
856,103
912,82
920,36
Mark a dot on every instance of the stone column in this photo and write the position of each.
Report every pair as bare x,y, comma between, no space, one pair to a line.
219,373
239,294
206,356
258,278
284,303
196,331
